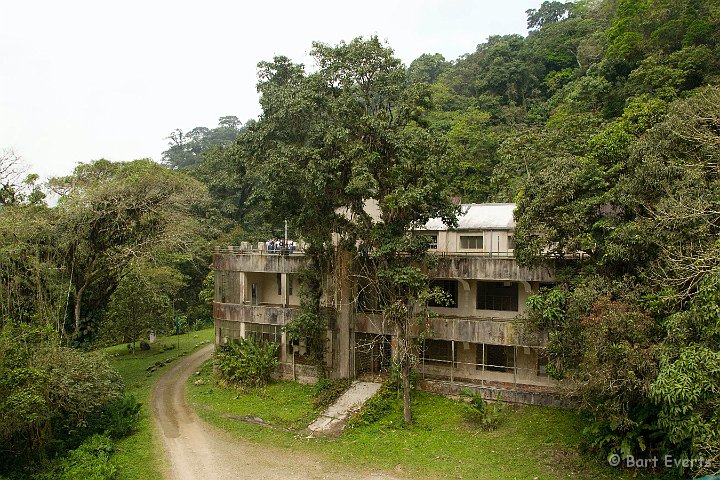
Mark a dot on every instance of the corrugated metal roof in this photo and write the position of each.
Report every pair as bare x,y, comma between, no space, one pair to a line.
480,216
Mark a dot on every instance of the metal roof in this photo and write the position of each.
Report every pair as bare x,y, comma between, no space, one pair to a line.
480,216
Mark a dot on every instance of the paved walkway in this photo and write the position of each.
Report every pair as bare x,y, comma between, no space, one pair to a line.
333,420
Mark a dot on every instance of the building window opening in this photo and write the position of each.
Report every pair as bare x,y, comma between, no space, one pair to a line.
502,296
373,353
263,333
450,291
433,245
438,352
471,242
495,358
542,366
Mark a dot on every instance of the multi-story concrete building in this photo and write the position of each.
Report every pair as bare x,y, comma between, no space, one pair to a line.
475,340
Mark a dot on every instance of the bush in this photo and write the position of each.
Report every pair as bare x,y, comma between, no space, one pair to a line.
144,345
120,417
481,412
247,362
51,397
90,461
327,391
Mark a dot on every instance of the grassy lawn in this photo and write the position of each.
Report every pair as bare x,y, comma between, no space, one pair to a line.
139,456
531,442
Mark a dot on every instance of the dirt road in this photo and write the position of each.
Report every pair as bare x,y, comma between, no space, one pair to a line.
196,450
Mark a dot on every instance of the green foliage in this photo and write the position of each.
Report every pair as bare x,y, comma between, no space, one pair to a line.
90,461
51,397
246,363
142,303
120,417
112,216
310,324
479,411
187,149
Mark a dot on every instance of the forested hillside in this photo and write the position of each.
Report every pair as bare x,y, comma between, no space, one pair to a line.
603,124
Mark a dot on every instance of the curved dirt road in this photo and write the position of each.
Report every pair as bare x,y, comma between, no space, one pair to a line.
196,450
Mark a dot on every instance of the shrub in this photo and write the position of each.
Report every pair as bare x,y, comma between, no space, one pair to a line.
120,417
246,362
51,397
90,461
481,412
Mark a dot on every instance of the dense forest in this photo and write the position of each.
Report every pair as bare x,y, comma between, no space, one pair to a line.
602,124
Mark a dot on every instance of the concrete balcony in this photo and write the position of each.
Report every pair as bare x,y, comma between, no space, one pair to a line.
495,331
258,262
266,314
482,267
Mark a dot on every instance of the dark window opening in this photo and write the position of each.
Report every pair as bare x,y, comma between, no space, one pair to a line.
498,358
542,366
263,333
373,353
438,352
497,296
471,242
367,299
450,288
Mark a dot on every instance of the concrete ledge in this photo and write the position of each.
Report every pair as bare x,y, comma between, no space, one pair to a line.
526,396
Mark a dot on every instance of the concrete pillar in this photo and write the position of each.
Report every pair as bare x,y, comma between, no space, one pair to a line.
344,322
285,297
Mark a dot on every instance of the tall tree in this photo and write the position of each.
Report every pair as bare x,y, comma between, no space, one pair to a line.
113,213
351,132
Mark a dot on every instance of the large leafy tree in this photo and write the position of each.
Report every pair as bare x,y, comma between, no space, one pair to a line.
111,214
330,142
186,149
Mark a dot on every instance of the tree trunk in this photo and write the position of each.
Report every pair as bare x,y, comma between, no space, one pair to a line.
407,414
403,361
76,312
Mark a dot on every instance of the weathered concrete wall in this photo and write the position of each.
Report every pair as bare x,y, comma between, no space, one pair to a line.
258,262
489,268
525,394
253,314
308,374
496,332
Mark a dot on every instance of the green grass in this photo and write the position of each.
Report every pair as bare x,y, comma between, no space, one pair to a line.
530,442
139,456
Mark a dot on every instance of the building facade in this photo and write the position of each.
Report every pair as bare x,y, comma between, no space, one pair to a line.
476,339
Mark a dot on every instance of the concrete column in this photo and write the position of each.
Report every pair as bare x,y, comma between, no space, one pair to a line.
242,279
284,289
344,325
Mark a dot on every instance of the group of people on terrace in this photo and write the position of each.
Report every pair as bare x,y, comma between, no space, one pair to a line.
278,245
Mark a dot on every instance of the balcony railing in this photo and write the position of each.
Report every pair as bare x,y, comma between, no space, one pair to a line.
245,248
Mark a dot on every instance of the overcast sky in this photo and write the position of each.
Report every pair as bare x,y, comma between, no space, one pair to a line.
82,80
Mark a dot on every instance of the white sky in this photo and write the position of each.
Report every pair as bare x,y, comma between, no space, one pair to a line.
82,80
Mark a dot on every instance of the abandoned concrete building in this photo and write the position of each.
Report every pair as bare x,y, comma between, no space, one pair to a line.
476,341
